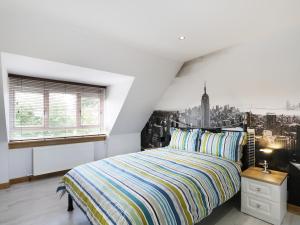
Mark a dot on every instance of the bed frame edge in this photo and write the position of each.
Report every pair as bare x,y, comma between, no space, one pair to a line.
70,203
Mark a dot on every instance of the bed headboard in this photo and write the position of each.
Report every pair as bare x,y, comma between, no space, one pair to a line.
248,158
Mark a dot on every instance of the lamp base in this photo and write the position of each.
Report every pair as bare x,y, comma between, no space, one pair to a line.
266,171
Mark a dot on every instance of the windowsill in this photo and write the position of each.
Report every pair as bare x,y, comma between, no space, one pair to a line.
55,141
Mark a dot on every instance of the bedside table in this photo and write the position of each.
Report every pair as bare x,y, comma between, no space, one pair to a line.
264,196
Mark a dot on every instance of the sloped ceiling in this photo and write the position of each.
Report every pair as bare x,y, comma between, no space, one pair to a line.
49,39
155,25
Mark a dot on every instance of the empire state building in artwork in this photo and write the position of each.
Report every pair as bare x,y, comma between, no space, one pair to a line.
205,120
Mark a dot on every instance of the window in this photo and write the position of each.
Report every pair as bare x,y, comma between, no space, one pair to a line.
43,109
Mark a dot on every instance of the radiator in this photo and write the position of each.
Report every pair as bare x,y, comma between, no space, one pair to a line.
61,157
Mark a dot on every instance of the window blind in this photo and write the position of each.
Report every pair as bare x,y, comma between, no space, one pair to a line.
43,109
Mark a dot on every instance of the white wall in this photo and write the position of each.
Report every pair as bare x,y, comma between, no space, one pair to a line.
116,95
259,76
4,156
122,144
41,37
100,150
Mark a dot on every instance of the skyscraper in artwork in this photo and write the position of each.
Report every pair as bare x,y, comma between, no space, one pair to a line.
205,120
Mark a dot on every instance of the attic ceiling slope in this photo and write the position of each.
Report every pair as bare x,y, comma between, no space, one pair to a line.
155,26
46,39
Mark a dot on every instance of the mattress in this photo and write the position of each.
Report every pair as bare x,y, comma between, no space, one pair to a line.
154,187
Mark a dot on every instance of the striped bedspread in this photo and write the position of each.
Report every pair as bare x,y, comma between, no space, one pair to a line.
161,187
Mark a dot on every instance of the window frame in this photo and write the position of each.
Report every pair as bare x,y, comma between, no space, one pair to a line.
46,108
11,104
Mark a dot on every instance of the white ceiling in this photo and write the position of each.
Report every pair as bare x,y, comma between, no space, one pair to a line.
154,25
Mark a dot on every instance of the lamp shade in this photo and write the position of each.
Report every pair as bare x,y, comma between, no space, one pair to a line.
266,150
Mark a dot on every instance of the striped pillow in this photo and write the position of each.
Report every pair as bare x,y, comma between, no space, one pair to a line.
184,139
225,144
241,140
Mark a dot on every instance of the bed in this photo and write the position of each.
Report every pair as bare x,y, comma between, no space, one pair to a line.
163,186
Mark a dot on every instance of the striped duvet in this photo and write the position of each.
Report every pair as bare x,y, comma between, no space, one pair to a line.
161,187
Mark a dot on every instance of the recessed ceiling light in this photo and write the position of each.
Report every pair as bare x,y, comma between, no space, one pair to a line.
181,38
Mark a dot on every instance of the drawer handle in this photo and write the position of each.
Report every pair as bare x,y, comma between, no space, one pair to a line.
258,206
258,189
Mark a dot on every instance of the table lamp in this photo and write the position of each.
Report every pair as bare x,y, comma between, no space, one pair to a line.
266,151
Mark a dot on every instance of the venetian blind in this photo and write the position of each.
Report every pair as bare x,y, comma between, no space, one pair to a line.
42,109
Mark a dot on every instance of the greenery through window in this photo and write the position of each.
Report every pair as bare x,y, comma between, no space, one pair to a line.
27,112
49,109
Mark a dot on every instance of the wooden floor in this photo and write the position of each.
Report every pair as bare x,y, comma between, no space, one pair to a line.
36,203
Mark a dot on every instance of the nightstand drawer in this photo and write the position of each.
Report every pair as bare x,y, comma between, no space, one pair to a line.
264,195
261,189
260,208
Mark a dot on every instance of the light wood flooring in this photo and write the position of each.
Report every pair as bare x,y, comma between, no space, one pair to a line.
36,203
